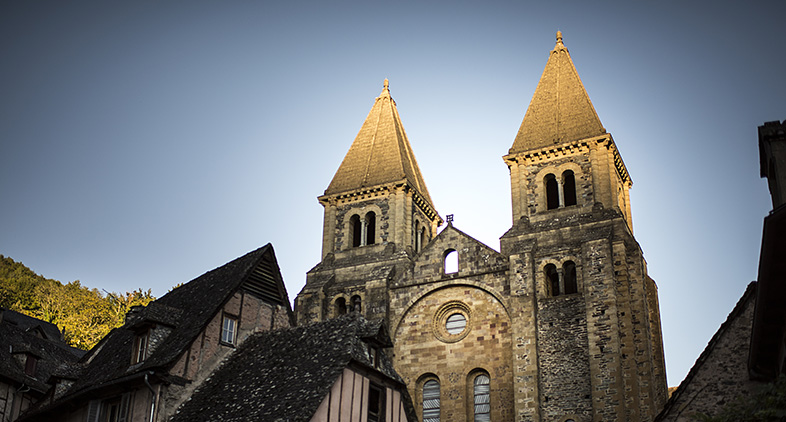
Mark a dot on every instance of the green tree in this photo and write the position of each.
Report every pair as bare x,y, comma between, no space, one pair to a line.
84,315
121,303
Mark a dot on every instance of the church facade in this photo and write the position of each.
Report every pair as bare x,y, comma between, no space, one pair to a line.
562,324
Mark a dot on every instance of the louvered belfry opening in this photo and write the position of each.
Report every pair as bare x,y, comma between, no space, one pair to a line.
262,282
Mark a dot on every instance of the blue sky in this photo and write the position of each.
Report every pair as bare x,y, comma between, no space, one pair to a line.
144,143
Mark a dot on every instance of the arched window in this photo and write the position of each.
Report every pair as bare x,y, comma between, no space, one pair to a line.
482,408
569,277
356,229
431,401
552,278
451,262
355,303
341,306
371,228
416,236
552,192
569,188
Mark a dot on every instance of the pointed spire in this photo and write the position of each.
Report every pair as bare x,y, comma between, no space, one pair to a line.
380,154
560,110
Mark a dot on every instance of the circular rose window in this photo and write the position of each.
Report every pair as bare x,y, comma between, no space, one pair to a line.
456,324
451,321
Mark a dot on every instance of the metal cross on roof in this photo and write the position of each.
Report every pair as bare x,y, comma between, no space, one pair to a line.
450,218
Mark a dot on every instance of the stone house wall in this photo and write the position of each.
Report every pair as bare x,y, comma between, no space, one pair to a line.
720,374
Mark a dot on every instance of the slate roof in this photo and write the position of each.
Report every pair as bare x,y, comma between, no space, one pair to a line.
186,309
284,375
560,110
28,323
380,154
18,335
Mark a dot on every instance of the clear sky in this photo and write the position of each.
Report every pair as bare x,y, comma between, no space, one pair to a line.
146,142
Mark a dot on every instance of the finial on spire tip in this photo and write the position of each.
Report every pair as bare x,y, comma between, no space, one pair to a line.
386,84
559,36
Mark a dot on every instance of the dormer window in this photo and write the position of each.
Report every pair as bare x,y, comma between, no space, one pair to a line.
141,343
228,330
30,364
373,355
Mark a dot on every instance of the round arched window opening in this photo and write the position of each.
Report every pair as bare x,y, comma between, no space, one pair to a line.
456,323
451,321
451,262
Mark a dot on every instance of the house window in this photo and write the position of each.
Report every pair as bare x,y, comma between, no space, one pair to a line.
552,192
140,347
112,410
569,188
30,364
373,356
552,278
451,262
115,409
569,277
376,403
482,406
431,408
228,329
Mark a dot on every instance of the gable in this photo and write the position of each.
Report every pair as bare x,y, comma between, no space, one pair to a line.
474,257
265,282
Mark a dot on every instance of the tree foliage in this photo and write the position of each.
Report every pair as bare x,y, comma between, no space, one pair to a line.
83,315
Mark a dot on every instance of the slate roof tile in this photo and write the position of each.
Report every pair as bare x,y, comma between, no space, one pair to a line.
187,309
18,336
284,375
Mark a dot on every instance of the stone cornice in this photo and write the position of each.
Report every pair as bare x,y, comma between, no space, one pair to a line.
581,145
373,191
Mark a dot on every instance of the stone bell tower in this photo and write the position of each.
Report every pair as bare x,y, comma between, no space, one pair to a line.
378,213
588,332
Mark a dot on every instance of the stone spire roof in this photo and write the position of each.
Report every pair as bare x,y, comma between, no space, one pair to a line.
380,154
560,110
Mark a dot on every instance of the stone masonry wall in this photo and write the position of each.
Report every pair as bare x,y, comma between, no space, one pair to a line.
563,358
423,350
603,332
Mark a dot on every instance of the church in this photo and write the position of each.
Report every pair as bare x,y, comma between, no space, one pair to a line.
561,324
